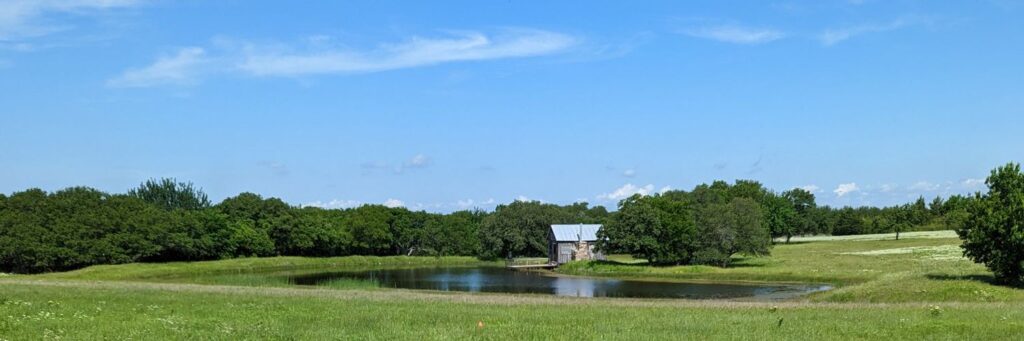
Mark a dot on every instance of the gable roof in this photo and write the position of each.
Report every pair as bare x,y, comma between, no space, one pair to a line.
575,232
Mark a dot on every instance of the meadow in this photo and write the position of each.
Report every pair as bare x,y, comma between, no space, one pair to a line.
917,287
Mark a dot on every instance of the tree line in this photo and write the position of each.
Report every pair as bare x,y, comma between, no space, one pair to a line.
166,220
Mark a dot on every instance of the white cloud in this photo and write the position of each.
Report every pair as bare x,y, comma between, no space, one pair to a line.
834,36
924,186
20,18
336,203
811,188
973,183
664,189
418,161
393,203
470,203
629,173
523,198
736,34
626,191
414,52
320,56
180,68
845,189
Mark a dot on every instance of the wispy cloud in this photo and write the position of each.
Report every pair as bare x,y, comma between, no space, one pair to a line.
319,56
414,52
22,18
973,184
180,68
845,189
811,188
834,36
736,34
275,167
419,161
924,186
629,173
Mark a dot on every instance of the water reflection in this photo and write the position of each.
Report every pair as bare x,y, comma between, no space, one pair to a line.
497,279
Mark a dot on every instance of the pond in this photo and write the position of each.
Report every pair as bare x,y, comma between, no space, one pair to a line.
499,279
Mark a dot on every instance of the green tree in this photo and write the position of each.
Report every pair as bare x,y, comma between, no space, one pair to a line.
370,227
780,216
805,207
993,233
727,229
451,234
657,228
169,194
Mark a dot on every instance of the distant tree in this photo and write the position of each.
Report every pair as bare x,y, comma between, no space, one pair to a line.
658,229
451,234
848,222
993,233
726,229
780,216
246,240
370,226
169,194
937,206
804,205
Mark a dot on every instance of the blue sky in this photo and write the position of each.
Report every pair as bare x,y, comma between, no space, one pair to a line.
460,104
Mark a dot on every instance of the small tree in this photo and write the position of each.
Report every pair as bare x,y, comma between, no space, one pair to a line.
993,231
169,194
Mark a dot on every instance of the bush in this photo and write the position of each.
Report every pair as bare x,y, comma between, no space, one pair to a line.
993,231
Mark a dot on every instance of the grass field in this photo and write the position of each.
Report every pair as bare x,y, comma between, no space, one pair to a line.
914,288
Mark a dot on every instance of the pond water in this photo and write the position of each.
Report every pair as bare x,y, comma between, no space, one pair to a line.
498,279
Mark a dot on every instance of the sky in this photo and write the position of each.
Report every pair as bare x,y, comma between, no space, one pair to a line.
451,105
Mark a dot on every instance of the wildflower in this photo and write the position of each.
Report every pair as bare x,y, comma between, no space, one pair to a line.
479,324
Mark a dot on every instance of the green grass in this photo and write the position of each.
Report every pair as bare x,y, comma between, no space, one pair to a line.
915,288
39,312
920,268
248,270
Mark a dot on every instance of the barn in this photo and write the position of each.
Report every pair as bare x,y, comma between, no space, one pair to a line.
567,242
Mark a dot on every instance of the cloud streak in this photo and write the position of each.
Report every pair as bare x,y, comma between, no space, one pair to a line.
414,52
319,57
19,18
736,34
178,69
835,36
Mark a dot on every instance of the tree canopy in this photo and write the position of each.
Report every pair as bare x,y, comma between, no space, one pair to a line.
993,231
167,220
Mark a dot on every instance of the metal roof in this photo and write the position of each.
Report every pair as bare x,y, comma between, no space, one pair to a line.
575,232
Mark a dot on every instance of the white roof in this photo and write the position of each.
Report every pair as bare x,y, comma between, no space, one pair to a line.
575,232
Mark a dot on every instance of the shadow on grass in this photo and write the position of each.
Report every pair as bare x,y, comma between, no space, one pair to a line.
792,242
985,278
745,265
